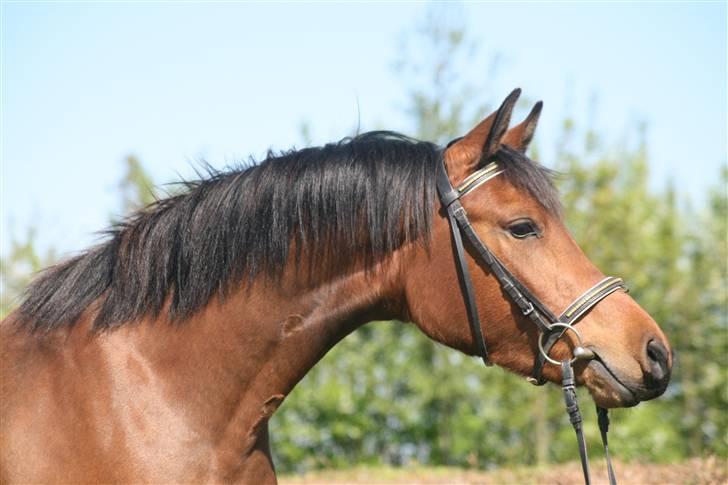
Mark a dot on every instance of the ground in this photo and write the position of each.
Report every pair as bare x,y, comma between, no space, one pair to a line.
697,471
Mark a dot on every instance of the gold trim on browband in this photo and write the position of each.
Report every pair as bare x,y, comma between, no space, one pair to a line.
479,177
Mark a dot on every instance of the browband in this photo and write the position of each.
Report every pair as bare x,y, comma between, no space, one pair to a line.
477,178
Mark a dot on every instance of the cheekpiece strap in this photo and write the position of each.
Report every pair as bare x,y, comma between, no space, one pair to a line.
450,200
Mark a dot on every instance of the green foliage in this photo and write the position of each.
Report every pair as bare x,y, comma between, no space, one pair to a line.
675,262
137,188
441,104
24,259
388,395
17,269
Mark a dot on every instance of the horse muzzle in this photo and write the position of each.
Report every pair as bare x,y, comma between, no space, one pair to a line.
611,387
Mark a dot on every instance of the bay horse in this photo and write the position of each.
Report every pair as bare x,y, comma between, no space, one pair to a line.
160,354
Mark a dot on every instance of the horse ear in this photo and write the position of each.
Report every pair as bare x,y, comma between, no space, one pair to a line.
520,136
465,156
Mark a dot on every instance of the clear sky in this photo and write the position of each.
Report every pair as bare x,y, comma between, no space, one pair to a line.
86,83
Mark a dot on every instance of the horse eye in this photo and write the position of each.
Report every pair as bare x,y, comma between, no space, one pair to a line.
523,229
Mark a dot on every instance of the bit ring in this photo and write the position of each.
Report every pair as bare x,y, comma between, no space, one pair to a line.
565,326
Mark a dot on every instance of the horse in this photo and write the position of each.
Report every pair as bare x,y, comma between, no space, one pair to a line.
160,354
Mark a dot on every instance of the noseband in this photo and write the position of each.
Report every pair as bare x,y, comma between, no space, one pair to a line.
550,326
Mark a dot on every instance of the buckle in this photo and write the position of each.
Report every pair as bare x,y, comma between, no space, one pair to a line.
529,309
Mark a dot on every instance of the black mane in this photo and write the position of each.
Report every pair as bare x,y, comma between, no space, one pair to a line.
345,203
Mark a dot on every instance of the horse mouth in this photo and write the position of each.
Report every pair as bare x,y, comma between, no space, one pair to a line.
606,388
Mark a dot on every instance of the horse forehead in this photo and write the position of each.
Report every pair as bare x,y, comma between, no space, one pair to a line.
499,197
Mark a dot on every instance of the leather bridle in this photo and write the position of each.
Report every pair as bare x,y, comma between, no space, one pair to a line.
550,326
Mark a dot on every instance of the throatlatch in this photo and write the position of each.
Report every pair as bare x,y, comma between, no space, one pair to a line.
550,326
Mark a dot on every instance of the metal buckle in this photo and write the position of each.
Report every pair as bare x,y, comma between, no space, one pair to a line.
529,309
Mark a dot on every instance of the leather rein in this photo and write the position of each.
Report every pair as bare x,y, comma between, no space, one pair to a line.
551,327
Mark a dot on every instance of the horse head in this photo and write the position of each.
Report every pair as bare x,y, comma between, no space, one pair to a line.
517,216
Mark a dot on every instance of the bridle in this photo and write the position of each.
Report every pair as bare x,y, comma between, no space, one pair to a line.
550,326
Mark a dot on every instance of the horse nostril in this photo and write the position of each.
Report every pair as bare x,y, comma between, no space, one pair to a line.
659,370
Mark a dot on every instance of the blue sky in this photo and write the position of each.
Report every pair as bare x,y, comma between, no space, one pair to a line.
86,83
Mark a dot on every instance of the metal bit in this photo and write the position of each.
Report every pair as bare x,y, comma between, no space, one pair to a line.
582,353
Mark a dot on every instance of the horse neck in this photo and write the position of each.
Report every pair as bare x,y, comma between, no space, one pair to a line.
231,365
285,329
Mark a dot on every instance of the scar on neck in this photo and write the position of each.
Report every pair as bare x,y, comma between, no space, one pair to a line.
292,324
266,411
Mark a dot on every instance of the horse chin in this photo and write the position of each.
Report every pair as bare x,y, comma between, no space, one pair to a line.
606,388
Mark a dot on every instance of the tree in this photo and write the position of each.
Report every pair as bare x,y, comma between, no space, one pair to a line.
388,395
18,267
136,186
24,260
675,262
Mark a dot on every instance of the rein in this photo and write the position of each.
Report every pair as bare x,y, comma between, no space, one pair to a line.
550,326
